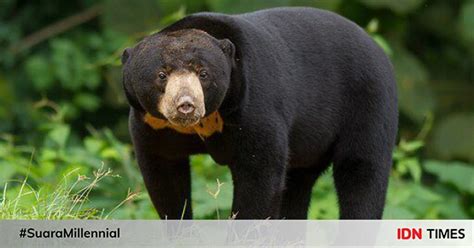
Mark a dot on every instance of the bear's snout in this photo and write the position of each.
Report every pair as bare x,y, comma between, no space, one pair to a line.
185,105
182,103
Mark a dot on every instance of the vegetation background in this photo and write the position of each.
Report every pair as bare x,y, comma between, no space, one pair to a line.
63,115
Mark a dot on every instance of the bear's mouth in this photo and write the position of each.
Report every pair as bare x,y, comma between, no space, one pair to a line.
184,121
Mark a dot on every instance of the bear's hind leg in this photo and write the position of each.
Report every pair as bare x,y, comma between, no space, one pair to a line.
361,172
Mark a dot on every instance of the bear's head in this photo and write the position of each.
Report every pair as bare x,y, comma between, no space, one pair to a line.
180,76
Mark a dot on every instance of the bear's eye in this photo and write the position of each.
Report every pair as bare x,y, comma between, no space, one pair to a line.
203,74
162,75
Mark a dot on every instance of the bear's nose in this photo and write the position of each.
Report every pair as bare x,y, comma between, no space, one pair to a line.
185,105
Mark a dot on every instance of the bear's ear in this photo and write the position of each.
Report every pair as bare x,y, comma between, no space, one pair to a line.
227,47
126,55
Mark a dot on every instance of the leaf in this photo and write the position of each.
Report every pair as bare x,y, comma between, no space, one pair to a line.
398,212
423,201
411,146
90,77
414,168
383,44
459,174
426,194
454,137
451,208
68,63
45,169
93,145
69,110
40,72
373,26
48,154
401,167
110,153
416,98
87,101
398,192
6,172
71,65
60,134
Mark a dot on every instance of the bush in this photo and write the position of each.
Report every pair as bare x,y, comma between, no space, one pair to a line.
64,113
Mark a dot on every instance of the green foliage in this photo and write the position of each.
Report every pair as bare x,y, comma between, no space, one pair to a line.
324,200
64,113
400,6
416,98
405,161
229,6
466,21
66,200
413,193
212,188
458,174
372,28
454,138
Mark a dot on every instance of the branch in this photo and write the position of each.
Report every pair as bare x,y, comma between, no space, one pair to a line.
57,28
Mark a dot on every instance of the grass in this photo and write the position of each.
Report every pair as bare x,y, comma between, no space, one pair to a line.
66,200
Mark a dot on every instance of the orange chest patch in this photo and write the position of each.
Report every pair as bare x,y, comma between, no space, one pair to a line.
206,127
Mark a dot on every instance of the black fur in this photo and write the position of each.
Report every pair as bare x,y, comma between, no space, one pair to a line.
307,88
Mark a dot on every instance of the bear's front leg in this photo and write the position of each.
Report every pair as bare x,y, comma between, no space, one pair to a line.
168,181
258,173
169,185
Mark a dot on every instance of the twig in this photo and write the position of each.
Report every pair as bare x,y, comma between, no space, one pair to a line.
215,195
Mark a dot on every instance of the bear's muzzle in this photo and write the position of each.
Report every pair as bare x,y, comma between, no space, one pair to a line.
183,100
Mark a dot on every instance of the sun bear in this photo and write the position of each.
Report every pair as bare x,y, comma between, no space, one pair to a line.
278,95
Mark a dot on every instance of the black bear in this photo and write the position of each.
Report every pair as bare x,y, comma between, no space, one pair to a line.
277,95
